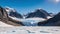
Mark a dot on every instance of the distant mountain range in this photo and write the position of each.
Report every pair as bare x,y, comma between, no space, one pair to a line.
43,18
40,13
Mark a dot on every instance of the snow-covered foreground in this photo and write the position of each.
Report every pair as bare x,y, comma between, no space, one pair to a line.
30,30
2,24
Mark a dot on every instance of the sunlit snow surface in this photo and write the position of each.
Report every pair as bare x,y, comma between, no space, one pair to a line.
2,24
29,30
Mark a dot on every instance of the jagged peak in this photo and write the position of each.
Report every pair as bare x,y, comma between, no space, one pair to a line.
39,9
10,9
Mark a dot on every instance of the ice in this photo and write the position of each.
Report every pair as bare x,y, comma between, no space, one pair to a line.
29,21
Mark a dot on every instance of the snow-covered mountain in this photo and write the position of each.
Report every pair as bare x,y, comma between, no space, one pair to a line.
6,18
12,12
55,21
11,16
33,18
39,13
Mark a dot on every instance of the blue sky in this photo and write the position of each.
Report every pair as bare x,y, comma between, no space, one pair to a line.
25,6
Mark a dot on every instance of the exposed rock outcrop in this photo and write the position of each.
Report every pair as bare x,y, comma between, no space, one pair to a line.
5,19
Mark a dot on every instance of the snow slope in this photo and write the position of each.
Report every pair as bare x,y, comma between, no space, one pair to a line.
2,24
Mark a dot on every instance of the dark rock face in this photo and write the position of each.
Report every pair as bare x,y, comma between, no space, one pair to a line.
38,13
55,21
15,14
4,18
3,13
